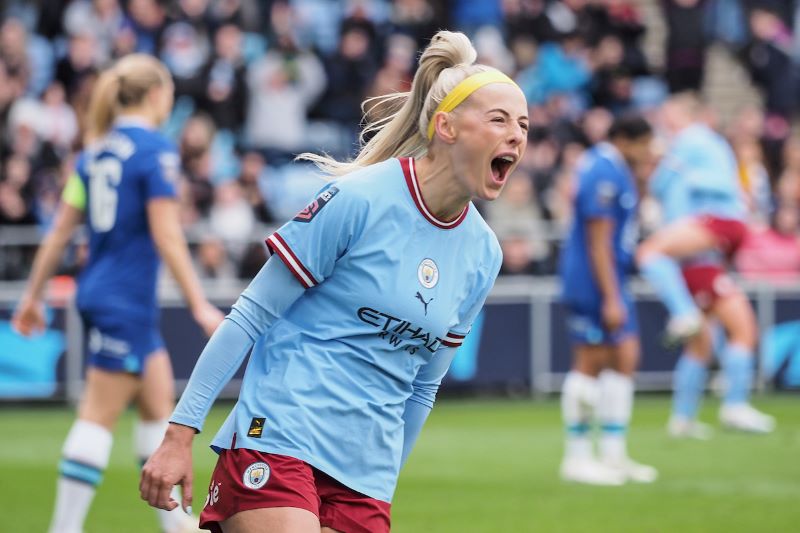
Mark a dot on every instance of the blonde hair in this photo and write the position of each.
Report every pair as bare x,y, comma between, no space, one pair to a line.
124,84
399,121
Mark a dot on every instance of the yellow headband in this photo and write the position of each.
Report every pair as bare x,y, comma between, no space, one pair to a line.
465,88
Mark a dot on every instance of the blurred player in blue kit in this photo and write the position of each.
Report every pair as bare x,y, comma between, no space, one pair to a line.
355,318
595,263
697,186
123,188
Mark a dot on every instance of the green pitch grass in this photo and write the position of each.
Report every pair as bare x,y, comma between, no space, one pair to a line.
480,466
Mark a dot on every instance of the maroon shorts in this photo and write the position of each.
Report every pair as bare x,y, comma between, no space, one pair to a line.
707,284
729,233
248,479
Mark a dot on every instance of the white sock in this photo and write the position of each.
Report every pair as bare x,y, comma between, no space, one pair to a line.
578,401
614,413
84,459
147,437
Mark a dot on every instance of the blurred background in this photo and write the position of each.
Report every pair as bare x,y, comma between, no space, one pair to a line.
258,81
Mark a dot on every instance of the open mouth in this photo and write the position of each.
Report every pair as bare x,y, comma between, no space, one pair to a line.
500,167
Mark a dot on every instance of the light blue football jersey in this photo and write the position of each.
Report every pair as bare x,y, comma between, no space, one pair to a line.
121,172
387,285
698,176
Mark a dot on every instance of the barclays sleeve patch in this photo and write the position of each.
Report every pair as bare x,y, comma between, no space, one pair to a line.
308,214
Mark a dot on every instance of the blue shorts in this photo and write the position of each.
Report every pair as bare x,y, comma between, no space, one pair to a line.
585,324
119,345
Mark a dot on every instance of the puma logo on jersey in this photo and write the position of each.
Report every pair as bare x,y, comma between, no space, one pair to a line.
421,299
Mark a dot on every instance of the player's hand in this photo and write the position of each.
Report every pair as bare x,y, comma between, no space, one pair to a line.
170,465
29,317
208,316
614,314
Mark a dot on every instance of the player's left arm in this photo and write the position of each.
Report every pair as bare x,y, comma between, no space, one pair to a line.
29,316
599,232
163,217
165,227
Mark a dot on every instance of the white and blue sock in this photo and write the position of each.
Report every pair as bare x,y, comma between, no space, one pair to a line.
84,459
614,410
665,277
737,367
578,402
147,437
688,384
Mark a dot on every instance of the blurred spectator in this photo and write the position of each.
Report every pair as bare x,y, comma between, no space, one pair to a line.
686,44
212,261
252,172
244,14
147,19
16,192
558,68
595,124
516,218
772,253
527,19
769,57
492,50
232,219
396,73
79,64
104,19
349,72
770,62
186,47
50,21
59,126
225,95
7,96
612,86
195,152
13,51
283,84
469,16
416,19
625,23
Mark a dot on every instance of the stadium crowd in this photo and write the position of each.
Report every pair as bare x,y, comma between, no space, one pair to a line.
258,81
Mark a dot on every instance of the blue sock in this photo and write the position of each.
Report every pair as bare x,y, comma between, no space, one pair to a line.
688,383
666,278
737,366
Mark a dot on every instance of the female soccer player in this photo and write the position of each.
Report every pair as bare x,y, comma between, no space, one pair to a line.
355,322
698,187
124,189
601,319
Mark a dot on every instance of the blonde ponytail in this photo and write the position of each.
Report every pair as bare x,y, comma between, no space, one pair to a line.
398,121
122,85
102,106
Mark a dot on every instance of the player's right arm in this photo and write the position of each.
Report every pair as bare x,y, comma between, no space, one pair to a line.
265,300
29,316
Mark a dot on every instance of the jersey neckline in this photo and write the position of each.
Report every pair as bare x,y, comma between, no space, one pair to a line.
410,174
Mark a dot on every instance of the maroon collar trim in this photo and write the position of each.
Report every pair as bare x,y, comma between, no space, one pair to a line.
409,171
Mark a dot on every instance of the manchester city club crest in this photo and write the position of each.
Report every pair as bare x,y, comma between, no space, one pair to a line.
428,273
256,475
